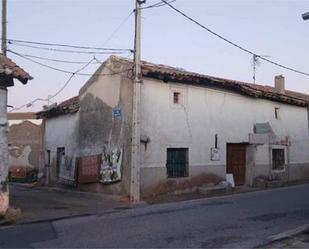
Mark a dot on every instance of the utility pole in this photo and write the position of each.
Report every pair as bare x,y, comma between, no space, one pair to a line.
4,21
4,150
135,153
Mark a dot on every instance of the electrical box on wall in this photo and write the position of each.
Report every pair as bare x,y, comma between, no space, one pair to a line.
215,154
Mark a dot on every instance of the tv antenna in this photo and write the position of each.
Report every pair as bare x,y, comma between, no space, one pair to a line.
256,63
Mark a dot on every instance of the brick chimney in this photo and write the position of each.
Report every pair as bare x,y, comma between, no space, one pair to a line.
279,84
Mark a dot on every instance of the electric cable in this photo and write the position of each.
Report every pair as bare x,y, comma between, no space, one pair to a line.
232,43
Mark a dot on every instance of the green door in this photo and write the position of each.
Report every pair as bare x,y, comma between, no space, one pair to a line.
177,162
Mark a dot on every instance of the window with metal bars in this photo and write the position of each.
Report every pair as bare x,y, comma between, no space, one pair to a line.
176,97
278,159
177,162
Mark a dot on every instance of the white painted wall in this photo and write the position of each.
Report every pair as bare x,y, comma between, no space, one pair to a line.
59,133
206,112
4,153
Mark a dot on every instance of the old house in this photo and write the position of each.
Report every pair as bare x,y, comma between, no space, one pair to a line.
8,72
192,125
25,145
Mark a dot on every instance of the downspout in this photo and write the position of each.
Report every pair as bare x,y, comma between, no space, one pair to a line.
288,159
308,116
45,164
269,158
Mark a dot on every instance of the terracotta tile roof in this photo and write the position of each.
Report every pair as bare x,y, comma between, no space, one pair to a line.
173,74
9,68
68,106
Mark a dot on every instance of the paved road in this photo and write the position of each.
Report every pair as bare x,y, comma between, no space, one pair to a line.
41,203
243,220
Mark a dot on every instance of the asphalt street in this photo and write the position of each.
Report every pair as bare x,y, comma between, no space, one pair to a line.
236,221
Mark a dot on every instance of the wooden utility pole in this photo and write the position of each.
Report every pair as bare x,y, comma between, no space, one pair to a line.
4,21
4,150
135,153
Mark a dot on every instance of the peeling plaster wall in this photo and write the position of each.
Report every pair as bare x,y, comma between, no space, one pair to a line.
97,128
205,112
59,133
25,140
93,127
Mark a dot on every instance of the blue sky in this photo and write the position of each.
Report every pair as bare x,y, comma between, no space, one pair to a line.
272,28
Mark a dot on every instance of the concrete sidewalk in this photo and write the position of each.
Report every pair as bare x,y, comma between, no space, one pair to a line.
42,204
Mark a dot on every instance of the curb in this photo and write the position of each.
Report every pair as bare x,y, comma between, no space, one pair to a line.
67,217
284,235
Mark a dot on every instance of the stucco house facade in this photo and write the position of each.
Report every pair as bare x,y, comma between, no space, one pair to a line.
8,72
191,125
25,144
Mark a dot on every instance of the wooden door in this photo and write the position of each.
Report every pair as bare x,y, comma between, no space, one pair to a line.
236,162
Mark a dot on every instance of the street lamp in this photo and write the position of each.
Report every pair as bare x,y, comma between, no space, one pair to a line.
305,16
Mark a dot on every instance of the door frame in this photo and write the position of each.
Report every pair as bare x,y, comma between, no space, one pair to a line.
245,146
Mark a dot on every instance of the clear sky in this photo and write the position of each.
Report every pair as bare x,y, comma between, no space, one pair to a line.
273,28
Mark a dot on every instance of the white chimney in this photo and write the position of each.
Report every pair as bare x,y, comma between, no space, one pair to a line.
279,84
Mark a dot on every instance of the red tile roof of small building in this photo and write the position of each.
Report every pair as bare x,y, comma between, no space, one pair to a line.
68,106
10,68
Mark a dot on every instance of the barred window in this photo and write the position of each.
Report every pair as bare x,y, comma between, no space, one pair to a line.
176,97
278,159
177,162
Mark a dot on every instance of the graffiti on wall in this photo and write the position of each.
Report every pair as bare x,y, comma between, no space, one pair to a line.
67,171
111,165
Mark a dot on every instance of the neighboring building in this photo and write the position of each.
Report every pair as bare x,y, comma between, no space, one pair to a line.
192,125
8,72
25,142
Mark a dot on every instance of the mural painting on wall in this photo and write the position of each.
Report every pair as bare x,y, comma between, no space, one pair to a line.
111,166
67,171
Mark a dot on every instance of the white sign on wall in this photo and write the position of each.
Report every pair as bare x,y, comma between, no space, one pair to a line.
215,154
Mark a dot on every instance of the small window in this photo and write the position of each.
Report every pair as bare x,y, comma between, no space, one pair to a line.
177,162
278,159
176,97
277,112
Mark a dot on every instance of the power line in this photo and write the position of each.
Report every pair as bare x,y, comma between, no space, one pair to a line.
58,92
54,60
232,43
12,41
55,68
156,5
77,72
118,28
71,77
73,51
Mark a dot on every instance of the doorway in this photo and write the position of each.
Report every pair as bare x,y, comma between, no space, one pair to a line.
60,155
236,162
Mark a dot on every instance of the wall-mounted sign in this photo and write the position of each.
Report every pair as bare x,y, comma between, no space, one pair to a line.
116,112
111,166
262,128
215,154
